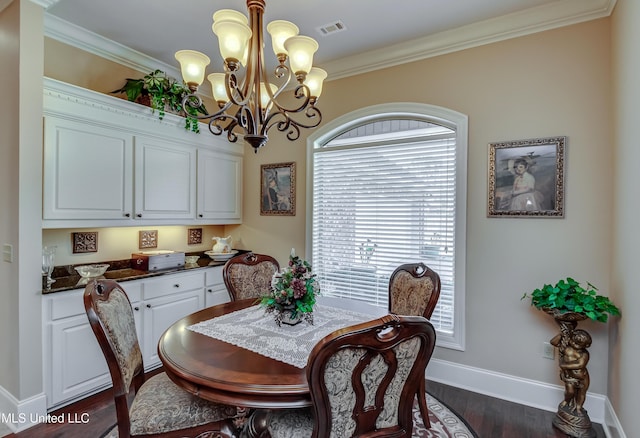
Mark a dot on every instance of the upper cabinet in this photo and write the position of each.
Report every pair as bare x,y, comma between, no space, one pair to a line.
219,185
88,171
109,162
165,180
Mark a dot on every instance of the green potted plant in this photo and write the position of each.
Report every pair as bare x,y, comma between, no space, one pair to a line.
568,296
162,93
568,303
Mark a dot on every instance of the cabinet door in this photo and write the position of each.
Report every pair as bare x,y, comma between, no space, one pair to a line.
217,294
78,365
160,313
215,290
219,186
88,171
165,180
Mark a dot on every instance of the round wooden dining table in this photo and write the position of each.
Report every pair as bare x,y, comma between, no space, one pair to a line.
225,373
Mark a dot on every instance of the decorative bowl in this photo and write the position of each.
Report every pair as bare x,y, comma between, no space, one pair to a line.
191,259
90,271
221,256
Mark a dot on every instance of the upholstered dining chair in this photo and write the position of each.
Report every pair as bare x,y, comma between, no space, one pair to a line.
362,380
414,289
249,275
159,408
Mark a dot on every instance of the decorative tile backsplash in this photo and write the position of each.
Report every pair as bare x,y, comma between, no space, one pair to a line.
194,236
148,239
84,242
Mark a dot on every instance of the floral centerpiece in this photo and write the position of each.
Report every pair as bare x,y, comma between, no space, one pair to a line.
293,293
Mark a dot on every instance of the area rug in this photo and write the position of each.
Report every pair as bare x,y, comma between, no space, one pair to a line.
445,423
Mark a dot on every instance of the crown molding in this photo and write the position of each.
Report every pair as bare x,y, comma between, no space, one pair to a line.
538,19
44,3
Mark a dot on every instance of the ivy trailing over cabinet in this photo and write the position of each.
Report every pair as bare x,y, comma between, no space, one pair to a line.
110,162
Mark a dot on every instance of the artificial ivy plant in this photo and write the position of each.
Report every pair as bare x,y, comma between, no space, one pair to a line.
165,93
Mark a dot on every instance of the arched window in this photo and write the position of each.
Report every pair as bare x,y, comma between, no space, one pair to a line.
387,186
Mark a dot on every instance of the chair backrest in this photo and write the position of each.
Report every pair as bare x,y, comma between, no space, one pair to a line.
111,318
414,289
249,275
363,378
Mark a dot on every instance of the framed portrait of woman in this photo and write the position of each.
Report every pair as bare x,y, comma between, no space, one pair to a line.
278,189
526,178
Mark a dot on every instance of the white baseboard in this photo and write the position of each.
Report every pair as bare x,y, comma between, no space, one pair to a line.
19,415
611,424
515,389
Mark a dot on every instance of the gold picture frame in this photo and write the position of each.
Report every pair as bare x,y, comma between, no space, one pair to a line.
526,178
278,189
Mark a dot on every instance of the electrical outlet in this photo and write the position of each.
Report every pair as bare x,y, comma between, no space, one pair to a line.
548,351
7,253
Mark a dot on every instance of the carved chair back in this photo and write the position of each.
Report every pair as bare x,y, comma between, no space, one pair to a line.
111,318
363,378
249,275
414,289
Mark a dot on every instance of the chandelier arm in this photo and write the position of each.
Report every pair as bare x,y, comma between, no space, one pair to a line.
288,123
235,95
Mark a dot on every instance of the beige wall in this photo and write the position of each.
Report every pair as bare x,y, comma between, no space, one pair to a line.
20,166
118,243
547,84
624,386
9,148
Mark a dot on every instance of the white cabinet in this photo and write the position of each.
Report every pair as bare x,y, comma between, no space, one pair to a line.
166,299
74,364
165,179
219,186
109,162
88,171
78,365
215,289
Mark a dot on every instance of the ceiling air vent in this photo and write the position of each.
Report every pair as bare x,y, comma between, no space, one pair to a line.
334,27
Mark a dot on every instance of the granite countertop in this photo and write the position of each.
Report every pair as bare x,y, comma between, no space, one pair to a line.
66,277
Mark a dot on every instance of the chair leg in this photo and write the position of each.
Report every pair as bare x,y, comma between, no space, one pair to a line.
422,403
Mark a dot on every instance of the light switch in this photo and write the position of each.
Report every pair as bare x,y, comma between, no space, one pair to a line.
7,253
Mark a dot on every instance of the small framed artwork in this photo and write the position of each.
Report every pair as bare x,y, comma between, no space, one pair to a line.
278,189
148,239
526,178
85,242
194,236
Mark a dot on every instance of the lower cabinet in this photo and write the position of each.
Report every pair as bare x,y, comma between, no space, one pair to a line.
215,290
74,364
159,314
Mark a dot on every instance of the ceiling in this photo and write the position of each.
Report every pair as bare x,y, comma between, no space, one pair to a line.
378,33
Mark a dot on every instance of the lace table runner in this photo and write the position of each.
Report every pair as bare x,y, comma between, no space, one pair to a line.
257,331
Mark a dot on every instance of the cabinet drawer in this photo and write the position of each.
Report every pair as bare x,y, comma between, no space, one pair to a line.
172,284
66,304
214,276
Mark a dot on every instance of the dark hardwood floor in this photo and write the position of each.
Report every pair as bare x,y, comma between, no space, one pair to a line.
490,417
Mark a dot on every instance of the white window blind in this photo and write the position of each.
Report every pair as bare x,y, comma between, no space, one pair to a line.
384,195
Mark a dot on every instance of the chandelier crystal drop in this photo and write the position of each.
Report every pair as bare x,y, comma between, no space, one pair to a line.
249,105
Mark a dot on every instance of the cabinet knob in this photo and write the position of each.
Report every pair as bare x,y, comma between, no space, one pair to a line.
139,215
148,306
210,290
127,215
176,285
136,308
200,215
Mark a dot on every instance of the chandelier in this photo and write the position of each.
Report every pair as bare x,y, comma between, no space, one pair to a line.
250,105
